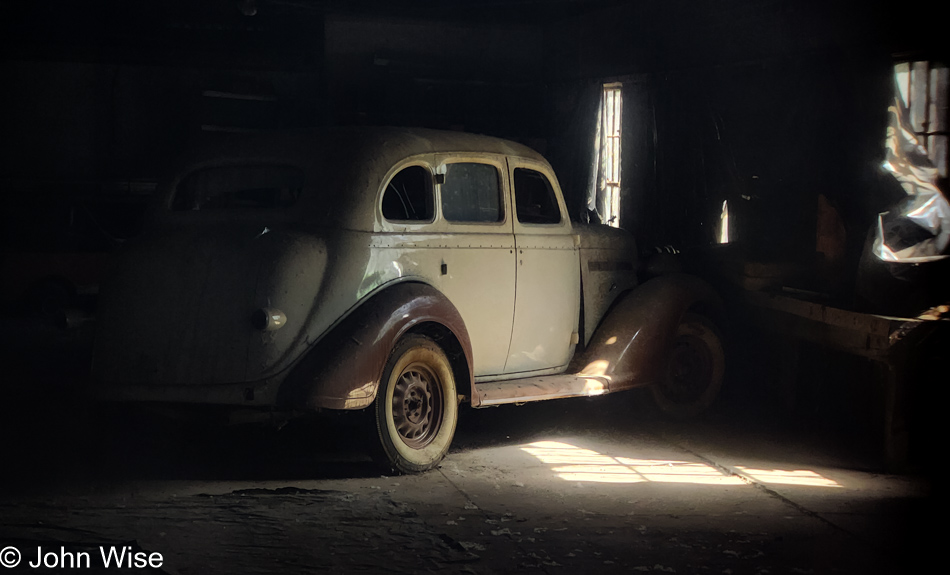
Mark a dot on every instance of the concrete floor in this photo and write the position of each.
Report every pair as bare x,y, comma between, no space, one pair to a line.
569,486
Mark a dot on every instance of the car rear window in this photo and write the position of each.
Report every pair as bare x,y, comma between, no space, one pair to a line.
239,187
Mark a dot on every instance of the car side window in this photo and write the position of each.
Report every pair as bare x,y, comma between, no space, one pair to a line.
535,202
408,196
471,193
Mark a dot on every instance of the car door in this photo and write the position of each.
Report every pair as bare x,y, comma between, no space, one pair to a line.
547,292
478,253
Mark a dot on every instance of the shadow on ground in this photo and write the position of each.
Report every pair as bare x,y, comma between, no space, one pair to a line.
54,435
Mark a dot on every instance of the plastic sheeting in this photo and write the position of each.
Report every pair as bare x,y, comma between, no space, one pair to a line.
917,229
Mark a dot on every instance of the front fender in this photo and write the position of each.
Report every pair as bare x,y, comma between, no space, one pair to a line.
342,370
631,346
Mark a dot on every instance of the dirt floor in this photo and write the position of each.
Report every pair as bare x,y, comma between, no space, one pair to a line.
570,486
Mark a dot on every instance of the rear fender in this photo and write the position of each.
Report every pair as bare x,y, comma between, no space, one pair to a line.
631,346
342,371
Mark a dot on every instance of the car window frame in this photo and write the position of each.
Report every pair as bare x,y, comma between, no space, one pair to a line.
564,225
499,162
387,225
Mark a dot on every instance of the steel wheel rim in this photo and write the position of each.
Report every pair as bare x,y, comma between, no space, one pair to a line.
417,405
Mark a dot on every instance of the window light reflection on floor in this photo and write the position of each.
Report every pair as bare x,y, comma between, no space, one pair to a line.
574,463
788,477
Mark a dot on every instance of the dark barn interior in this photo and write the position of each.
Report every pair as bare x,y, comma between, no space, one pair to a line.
745,147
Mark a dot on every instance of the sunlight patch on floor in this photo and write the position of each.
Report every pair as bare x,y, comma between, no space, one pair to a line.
788,477
574,463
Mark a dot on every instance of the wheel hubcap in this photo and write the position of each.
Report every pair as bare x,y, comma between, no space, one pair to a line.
417,405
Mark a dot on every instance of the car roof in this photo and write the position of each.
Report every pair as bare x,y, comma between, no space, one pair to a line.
346,163
389,145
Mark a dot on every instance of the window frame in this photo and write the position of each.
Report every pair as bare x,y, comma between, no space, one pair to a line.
608,156
926,110
547,172
407,225
500,165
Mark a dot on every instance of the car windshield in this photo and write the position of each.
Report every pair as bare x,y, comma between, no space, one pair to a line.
239,187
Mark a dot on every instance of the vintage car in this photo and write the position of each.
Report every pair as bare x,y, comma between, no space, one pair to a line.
400,271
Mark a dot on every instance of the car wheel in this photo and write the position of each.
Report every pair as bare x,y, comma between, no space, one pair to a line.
695,369
416,406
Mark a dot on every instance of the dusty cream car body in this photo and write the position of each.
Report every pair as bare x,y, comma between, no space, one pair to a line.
310,306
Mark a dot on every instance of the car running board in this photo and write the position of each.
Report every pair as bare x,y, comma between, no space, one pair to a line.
538,388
